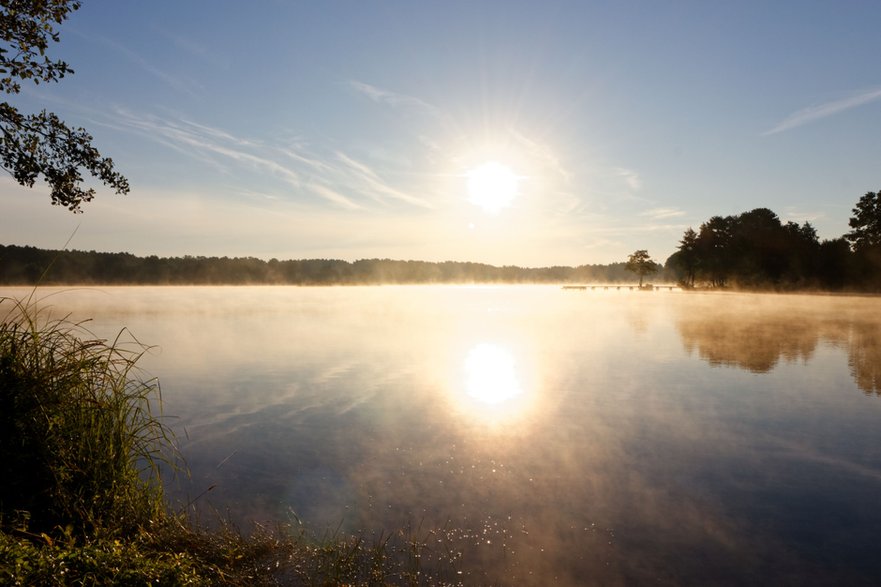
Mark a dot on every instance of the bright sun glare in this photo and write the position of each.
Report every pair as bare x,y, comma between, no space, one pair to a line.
491,377
492,186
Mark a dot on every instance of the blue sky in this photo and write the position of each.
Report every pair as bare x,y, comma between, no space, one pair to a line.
349,129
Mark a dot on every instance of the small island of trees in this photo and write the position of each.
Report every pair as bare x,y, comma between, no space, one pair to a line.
755,250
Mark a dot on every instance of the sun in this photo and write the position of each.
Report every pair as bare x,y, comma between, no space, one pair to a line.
492,186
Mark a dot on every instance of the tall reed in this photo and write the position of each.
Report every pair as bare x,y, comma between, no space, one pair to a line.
82,445
81,440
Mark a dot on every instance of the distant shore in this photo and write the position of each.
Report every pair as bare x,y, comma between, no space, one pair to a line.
24,265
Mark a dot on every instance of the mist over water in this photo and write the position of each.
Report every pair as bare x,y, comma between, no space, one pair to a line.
569,436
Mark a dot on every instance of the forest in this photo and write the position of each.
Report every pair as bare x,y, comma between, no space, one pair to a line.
755,250
31,266
752,250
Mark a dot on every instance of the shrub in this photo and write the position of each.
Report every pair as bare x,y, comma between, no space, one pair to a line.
80,443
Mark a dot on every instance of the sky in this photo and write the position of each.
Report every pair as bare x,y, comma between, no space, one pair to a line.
350,130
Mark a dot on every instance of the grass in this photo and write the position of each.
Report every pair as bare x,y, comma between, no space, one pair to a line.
83,448
80,444
174,553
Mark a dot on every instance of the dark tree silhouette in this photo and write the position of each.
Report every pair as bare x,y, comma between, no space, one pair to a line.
754,249
685,260
641,263
835,264
866,223
865,238
28,265
715,250
32,145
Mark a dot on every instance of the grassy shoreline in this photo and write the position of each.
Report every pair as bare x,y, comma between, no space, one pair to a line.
83,448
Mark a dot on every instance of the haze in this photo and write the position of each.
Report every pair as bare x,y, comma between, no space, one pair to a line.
616,435
332,129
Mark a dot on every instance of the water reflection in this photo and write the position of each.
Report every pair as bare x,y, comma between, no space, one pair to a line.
751,341
757,333
565,439
864,344
492,386
490,375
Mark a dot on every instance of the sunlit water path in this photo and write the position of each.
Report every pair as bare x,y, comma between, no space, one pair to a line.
570,436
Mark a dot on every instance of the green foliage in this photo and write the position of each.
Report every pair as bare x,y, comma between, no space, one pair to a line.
96,562
288,555
26,27
175,552
80,443
32,145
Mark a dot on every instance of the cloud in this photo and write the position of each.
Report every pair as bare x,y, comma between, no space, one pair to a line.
370,180
328,177
813,113
186,135
662,213
189,46
393,98
542,152
335,197
207,144
180,84
307,160
630,177
794,215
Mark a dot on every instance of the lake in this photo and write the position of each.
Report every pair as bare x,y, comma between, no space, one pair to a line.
535,435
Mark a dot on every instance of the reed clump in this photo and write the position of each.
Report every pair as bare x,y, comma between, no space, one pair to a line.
83,448
80,443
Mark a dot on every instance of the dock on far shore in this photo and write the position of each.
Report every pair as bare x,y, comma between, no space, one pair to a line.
618,286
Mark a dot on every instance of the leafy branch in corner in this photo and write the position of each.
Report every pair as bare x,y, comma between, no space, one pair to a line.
32,145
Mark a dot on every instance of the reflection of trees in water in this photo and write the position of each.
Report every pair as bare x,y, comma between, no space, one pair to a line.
752,342
865,356
756,340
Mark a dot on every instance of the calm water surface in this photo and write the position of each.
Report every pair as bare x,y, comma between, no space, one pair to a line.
576,437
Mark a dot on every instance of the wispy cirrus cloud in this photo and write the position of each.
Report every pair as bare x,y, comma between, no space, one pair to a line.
334,177
544,153
630,177
219,148
188,46
662,213
379,189
185,85
307,160
333,196
795,215
186,137
394,99
812,113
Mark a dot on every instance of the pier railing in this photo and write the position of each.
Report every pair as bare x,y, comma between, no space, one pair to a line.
619,286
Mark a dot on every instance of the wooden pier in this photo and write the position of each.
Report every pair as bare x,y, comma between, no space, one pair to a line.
618,286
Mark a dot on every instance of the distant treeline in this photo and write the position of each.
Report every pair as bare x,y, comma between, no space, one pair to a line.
755,250
30,266
752,250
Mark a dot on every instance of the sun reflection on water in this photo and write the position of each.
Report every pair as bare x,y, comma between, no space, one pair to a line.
492,387
490,375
